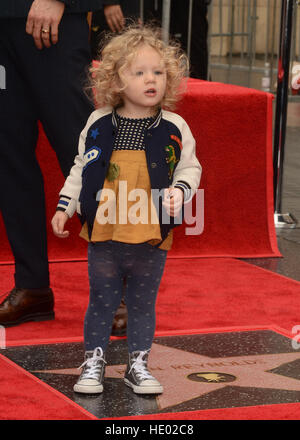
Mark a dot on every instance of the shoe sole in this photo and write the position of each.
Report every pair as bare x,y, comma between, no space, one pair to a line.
86,389
144,390
37,317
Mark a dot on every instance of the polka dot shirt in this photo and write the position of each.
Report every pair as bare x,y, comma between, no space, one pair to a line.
131,132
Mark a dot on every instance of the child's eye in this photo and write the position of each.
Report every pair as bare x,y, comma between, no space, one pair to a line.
139,73
158,72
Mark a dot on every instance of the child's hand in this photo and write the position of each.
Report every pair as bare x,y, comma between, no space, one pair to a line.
173,200
58,223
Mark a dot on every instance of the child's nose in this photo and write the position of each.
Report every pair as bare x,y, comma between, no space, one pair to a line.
150,77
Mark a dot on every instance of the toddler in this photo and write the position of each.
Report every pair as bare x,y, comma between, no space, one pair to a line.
135,168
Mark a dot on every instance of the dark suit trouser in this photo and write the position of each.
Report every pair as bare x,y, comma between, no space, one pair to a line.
179,25
45,85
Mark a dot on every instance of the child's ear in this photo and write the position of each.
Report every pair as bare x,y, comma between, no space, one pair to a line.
118,84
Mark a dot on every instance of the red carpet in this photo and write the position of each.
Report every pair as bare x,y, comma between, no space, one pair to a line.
32,399
195,294
232,127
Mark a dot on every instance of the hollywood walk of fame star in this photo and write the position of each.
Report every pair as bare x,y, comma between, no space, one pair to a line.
173,367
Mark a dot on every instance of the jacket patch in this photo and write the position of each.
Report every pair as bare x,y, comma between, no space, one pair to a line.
176,139
94,133
113,172
171,159
91,155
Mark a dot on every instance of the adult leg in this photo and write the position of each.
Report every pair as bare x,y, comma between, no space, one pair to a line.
22,194
179,28
199,48
58,86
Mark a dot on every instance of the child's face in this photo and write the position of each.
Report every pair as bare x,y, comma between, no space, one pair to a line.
145,80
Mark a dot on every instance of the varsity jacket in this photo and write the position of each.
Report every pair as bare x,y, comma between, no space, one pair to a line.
170,156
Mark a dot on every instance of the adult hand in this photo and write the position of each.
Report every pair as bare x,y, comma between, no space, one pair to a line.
114,17
43,20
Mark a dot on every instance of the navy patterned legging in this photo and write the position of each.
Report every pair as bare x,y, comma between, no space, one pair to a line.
108,264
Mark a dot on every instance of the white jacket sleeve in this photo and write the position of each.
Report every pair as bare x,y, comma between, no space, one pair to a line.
188,172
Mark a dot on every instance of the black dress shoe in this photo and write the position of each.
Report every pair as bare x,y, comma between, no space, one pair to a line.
23,305
119,327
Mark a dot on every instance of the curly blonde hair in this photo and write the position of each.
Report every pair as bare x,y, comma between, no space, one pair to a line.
119,51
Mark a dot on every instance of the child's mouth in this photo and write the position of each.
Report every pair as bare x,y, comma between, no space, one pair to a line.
150,92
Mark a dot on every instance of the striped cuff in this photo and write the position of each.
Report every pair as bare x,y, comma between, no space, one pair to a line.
63,203
67,205
186,189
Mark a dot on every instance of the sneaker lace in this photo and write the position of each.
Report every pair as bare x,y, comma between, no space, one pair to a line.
140,367
92,365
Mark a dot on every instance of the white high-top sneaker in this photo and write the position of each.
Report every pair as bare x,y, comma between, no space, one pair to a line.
91,378
138,377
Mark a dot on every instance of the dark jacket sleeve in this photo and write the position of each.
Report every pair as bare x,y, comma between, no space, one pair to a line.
130,8
20,8
82,5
